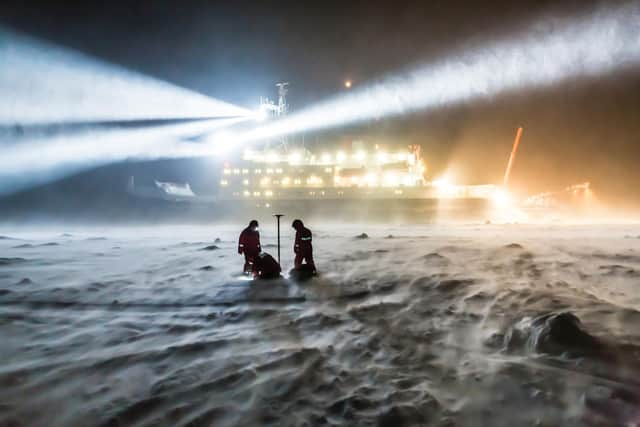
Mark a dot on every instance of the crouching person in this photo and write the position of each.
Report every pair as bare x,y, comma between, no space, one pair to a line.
265,267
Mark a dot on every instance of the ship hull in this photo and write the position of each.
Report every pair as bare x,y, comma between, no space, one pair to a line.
358,210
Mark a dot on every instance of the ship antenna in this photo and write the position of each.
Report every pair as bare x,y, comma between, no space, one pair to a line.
283,108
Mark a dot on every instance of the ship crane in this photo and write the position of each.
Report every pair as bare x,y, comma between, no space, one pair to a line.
512,158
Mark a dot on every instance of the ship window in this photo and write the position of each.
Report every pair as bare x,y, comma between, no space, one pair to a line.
224,182
279,170
245,171
256,193
245,182
236,171
246,194
269,171
257,171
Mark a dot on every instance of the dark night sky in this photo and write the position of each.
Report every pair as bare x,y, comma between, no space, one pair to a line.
235,51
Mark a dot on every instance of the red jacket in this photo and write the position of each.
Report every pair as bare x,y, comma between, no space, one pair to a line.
249,241
303,240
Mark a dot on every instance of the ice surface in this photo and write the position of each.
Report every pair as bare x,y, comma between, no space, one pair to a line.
438,325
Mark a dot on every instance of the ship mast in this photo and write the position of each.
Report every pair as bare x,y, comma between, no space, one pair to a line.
283,107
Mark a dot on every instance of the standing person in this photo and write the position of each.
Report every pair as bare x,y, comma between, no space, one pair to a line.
303,247
249,245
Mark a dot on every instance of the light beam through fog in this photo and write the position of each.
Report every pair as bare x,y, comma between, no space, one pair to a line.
548,53
63,111
54,157
43,83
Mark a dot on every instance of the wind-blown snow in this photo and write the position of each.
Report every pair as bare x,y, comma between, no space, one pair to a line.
410,326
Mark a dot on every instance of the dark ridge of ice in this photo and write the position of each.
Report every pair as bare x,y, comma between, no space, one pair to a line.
513,246
563,332
217,240
362,236
618,270
30,245
98,238
185,244
206,268
210,248
449,285
617,257
11,261
434,257
558,334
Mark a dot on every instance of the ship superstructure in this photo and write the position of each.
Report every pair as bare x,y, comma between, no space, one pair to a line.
342,174
284,171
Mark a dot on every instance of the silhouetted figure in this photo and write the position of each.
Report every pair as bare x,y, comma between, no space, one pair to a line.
303,247
249,245
266,267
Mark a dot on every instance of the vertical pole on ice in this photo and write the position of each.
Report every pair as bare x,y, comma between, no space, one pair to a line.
278,222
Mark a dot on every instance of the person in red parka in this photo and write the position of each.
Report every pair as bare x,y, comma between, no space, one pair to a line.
303,247
249,245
